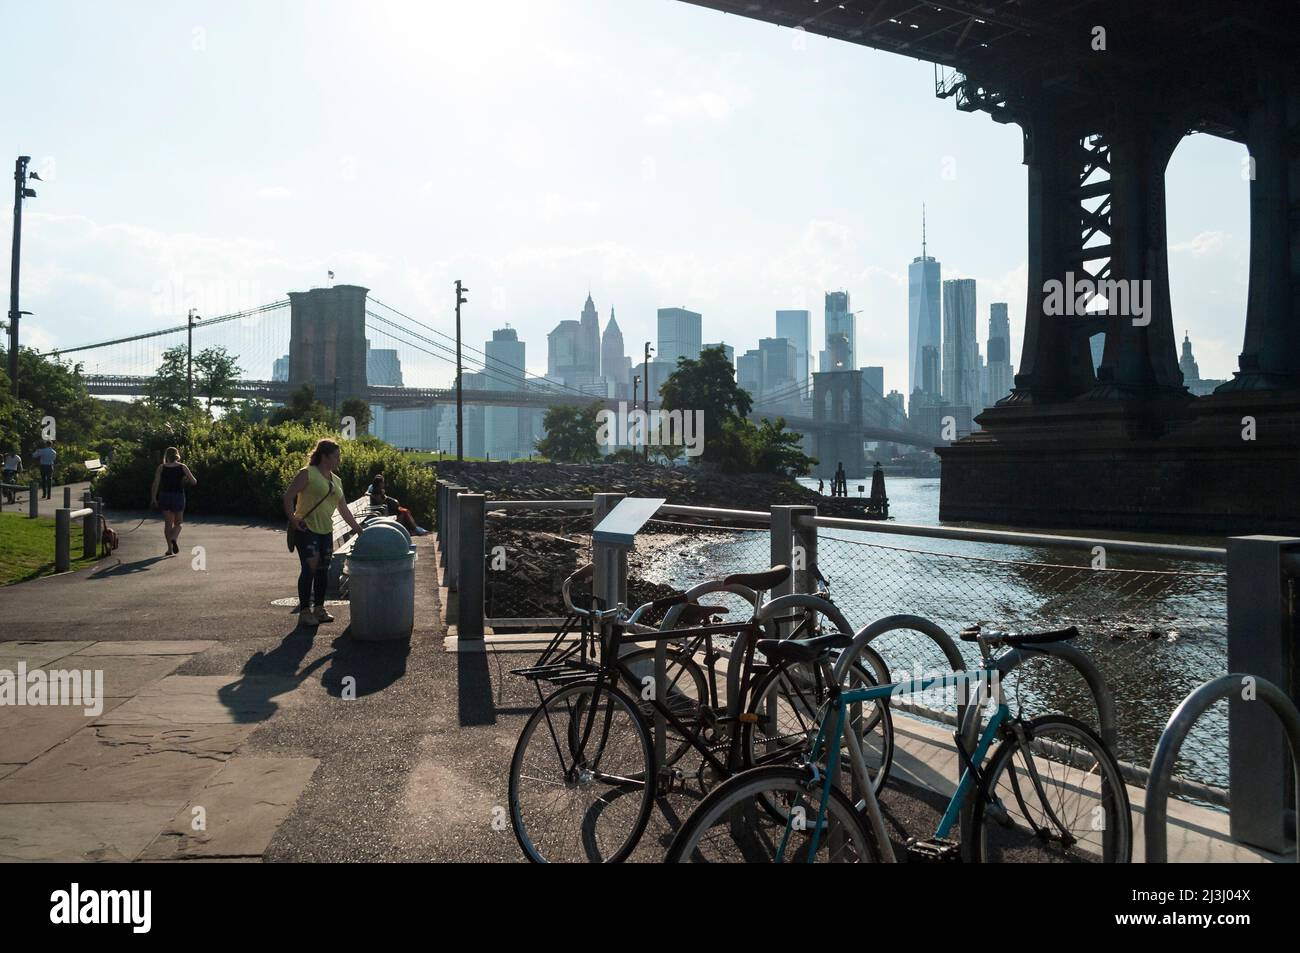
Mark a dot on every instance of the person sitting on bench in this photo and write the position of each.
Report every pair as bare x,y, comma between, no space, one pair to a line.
392,507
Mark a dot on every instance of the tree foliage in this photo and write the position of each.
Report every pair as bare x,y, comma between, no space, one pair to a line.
570,434
215,372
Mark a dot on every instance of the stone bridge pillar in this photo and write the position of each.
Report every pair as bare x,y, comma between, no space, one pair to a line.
837,410
327,342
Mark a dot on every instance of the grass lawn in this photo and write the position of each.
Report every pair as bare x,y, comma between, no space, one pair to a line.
27,548
425,456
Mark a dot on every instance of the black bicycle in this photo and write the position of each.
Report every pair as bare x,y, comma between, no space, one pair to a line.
584,779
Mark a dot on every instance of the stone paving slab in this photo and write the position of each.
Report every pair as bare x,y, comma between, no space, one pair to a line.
37,654
126,763
206,700
28,731
126,675
243,804
8,769
80,831
137,647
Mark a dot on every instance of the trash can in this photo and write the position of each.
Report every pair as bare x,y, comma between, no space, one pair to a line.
390,520
381,572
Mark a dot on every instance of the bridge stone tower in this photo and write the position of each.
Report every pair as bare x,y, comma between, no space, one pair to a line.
837,409
327,342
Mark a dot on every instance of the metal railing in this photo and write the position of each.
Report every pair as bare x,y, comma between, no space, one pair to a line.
1157,619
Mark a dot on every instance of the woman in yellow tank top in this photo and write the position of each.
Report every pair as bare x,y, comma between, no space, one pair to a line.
311,501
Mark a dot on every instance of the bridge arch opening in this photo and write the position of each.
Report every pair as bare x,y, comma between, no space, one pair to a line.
1207,227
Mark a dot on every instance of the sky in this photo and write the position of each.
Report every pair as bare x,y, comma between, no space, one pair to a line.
221,154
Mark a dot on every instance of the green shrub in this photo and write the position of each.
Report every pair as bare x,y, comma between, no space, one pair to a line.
243,468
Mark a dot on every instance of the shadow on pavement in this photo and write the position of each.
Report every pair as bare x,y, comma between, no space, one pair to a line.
126,569
475,705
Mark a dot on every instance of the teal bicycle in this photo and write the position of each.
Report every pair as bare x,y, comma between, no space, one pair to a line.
1050,792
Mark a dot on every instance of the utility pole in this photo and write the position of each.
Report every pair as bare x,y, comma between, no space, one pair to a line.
21,191
460,407
189,359
645,396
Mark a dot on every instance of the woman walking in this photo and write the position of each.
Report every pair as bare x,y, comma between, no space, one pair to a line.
310,503
168,494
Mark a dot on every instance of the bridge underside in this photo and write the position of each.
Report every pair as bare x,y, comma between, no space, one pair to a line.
1104,90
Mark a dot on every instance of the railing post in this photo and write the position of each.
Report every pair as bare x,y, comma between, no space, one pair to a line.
1261,642
609,581
32,502
789,547
442,517
90,531
67,497
452,563
62,528
470,588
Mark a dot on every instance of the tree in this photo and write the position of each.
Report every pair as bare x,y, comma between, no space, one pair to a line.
570,434
168,388
215,374
708,384
303,407
358,410
777,450
47,388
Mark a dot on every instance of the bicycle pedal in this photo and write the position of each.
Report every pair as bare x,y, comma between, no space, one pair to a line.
934,850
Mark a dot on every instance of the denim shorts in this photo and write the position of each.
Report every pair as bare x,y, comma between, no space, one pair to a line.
172,501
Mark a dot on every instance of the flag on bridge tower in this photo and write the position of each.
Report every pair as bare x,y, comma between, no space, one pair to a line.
331,278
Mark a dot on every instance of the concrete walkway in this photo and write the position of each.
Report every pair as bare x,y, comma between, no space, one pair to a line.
230,733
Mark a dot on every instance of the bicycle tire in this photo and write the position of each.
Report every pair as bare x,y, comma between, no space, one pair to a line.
688,712
994,830
560,715
761,838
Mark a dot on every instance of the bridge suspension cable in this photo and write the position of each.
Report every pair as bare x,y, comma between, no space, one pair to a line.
208,322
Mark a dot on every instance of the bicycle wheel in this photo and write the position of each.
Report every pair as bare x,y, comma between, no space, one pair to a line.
733,825
685,687
787,702
1057,797
581,782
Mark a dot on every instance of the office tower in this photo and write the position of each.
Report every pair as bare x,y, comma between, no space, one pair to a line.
473,417
503,436
562,351
280,369
680,334
874,379
613,362
930,370
588,348
779,373
961,383
383,367
841,339
796,326
1001,374
922,310
727,349
749,372
655,375
1192,379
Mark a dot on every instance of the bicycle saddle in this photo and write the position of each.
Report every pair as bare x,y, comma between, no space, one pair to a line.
698,615
802,650
1028,638
759,581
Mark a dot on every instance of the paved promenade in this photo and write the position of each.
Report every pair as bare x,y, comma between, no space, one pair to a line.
230,733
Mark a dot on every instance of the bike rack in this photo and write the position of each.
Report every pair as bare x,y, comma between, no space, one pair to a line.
1175,733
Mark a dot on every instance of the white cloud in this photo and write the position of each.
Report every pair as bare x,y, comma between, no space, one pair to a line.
1202,244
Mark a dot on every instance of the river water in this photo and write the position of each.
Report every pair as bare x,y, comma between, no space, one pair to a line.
1156,627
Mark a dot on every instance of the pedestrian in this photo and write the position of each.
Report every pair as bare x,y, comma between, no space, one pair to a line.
821,487
168,494
13,463
380,498
310,502
46,457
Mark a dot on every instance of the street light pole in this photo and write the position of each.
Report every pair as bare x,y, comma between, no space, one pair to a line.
20,192
460,407
645,396
189,360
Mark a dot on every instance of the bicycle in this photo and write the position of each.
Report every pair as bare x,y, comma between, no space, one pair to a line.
588,743
1020,797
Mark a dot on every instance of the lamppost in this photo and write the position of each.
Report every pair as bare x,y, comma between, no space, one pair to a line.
460,409
21,191
636,382
645,398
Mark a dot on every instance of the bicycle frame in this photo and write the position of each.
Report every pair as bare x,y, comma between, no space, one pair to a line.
834,737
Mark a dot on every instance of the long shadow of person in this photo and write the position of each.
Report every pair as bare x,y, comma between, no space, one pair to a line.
357,669
267,675
123,569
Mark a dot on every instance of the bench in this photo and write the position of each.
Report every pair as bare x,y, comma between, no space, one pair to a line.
344,538
93,466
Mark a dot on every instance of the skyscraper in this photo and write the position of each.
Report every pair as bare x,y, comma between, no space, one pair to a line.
796,327
779,371
841,339
922,310
961,379
563,350
680,335
503,427
1001,376
614,364
588,354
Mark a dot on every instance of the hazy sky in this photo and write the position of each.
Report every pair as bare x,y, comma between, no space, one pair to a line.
223,153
